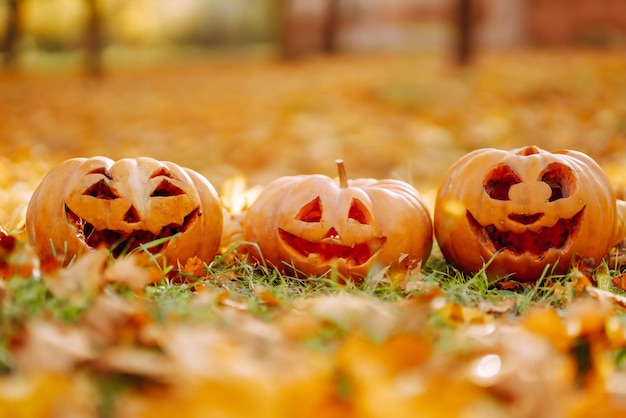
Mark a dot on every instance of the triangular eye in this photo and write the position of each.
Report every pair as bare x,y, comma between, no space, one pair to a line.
311,212
101,190
561,180
167,188
499,180
359,213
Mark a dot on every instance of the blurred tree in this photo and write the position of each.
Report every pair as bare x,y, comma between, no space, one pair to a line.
285,46
468,14
307,27
330,27
464,27
94,42
11,36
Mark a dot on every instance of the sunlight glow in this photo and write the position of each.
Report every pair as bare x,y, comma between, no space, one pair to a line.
488,366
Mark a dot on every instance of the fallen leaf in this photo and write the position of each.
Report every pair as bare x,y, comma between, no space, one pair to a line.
52,347
108,317
546,322
134,270
194,267
81,280
267,296
137,361
47,395
619,281
500,307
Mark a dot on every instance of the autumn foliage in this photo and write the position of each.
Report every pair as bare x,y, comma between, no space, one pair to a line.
107,336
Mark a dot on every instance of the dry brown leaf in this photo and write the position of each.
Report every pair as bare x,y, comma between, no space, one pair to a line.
522,367
53,347
81,280
16,256
109,317
587,317
500,307
606,296
349,312
137,361
456,315
298,325
203,351
134,270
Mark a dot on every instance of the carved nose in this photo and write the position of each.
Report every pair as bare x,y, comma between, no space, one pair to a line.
332,233
525,219
524,193
131,216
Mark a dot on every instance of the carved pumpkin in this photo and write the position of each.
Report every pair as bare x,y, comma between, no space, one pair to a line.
313,223
84,203
523,210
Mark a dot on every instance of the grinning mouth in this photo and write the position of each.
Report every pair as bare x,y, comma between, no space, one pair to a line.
356,255
120,242
537,243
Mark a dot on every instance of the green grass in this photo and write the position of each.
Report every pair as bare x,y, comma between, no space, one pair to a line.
251,285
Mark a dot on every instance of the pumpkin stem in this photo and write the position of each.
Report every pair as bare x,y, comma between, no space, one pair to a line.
529,150
343,176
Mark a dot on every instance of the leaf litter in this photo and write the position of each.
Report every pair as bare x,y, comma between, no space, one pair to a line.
118,338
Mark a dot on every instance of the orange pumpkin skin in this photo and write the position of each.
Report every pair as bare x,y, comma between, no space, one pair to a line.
524,209
312,224
84,203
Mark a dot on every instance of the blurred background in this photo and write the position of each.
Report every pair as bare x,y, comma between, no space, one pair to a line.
266,88
114,29
150,29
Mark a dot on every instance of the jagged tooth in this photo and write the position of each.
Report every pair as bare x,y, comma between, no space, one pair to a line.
314,258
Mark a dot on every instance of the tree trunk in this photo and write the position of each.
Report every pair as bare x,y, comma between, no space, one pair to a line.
12,34
284,28
330,27
94,42
464,27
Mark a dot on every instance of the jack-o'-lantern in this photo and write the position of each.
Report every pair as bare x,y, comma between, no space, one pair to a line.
313,223
524,211
85,203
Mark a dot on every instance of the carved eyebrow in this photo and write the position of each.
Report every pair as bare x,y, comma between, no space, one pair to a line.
101,170
162,172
